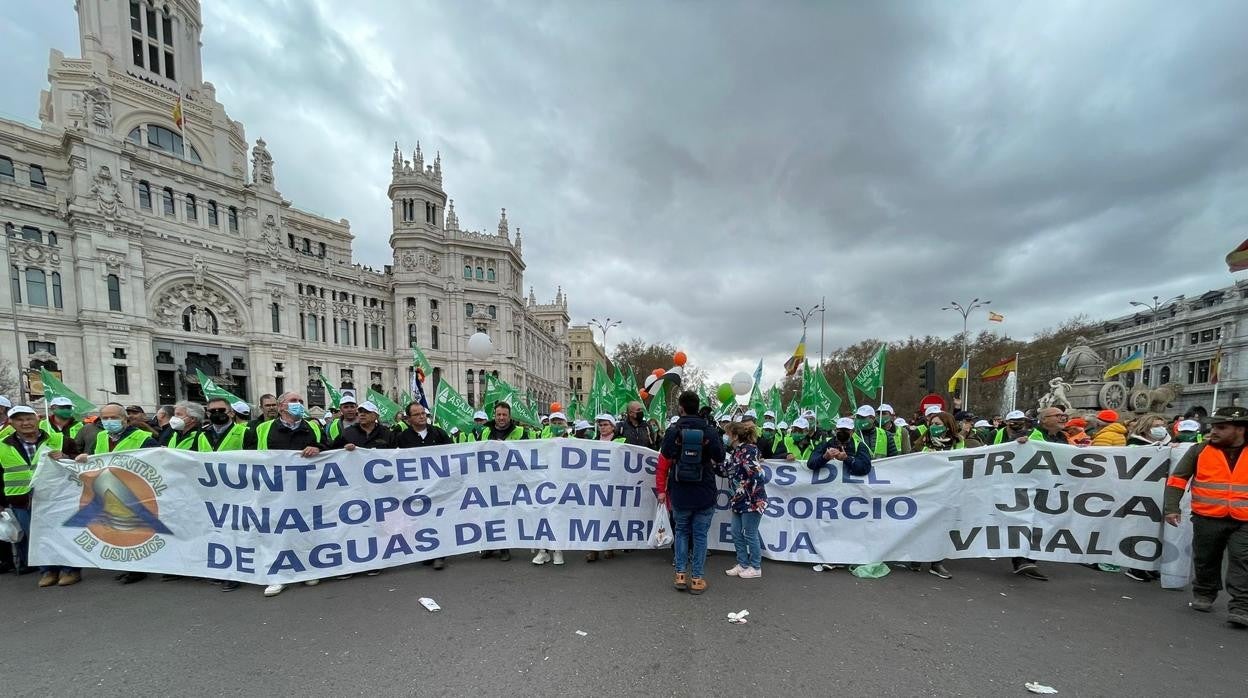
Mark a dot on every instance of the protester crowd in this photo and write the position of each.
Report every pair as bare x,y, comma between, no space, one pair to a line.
696,450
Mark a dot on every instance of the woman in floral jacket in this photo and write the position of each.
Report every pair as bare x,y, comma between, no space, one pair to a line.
749,498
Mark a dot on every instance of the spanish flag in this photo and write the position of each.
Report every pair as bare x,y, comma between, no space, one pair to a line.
177,113
958,374
1237,260
1215,367
1135,362
995,317
1000,370
799,356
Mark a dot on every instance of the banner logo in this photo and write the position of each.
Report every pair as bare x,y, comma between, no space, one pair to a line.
119,511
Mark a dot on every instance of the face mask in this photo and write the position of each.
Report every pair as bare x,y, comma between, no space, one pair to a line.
63,412
219,418
177,423
112,426
843,434
557,430
863,423
1187,436
1157,433
297,410
888,419
937,430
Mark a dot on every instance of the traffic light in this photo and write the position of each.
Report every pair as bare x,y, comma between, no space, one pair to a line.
927,375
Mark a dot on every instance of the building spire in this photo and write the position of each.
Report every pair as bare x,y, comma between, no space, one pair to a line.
397,163
532,296
502,224
418,159
437,166
519,240
452,219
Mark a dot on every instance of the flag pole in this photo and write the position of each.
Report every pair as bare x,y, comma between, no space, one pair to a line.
1017,373
1217,376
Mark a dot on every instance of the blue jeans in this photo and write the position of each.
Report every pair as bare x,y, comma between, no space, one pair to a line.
745,537
692,523
23,548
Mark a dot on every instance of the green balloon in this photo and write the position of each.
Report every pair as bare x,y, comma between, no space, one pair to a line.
725,394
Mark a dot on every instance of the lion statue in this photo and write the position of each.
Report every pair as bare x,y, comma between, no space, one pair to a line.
1160,397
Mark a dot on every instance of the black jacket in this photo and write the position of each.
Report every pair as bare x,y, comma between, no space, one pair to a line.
693,495
408,438
379,437
283,439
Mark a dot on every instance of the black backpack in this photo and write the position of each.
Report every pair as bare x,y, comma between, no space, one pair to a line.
689,466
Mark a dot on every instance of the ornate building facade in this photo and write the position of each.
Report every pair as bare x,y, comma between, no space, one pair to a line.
585,354
145,239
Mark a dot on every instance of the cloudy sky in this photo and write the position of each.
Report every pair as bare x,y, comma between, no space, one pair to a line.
694,168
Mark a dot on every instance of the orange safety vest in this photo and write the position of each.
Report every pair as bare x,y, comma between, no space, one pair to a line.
1218,492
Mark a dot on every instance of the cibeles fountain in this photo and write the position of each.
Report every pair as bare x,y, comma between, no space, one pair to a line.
1084,388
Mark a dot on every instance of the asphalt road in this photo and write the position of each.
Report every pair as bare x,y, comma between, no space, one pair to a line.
510,629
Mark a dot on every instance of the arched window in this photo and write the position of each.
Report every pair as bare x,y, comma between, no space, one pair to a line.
233,221
57,300
51,238
145,195
467,271
166,200
36,287
411,335
489,274
469,309
472,394
276,311
161,138
212,214
114,292
192,211
30,232
197,319
15,283
480,274
411,302
1165,375
493,311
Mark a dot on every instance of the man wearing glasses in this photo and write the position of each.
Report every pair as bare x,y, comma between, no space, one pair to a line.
420,432
1051,422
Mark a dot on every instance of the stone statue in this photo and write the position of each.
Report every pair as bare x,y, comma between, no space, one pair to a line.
1161,397
107,198
1083,363
261,164
198,267
1056,397
99,107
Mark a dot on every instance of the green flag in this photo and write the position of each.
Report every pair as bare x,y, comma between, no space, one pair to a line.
870,380
419,361
335,397
450,409
625,391
600,394
774,403
386,409
658,408
704,400
213,391
497,389
53,388
757,403
405,399
817,395
572,409
849,388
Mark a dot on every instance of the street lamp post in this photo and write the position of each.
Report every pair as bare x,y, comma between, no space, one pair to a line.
965,312
1156,307
604,326
17,340
108,394
803,316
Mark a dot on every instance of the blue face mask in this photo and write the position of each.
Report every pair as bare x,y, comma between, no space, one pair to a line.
113,426
297,410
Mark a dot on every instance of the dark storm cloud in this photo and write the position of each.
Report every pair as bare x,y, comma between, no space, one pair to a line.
695,168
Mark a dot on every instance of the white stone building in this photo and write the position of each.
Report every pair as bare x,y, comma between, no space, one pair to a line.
139,249
1179,344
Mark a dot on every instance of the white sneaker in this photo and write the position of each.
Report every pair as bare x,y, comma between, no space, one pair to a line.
541,558
557,557
750,573
312,582
274,589
736,570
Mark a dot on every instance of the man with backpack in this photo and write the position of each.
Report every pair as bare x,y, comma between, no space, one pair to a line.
694,448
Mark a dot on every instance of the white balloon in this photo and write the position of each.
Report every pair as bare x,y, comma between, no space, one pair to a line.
741,383
480,346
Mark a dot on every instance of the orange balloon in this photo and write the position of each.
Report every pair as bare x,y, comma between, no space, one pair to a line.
658,372
555,407
679,359
644,395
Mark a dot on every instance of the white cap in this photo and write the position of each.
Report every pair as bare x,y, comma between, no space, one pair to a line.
769,413
801,423
479,414
900,422
604,417
673,419
750,414
1014,414
21,409
454,431
845,423
61,402
559,415
580,425
769,425
865,411
1189,425
782,426
725,417
808,413
931,409
737,418
543,416
368,406
348,398
4,401
885,407
240,407
982,423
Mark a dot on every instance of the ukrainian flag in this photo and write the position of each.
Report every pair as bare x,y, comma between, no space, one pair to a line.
958,374
1135,362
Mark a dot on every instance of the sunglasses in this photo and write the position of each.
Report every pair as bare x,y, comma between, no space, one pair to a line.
217,410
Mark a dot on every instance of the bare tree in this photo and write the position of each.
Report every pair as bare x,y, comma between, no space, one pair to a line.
9,378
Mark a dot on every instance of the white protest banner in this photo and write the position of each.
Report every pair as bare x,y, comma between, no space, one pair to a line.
266,517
